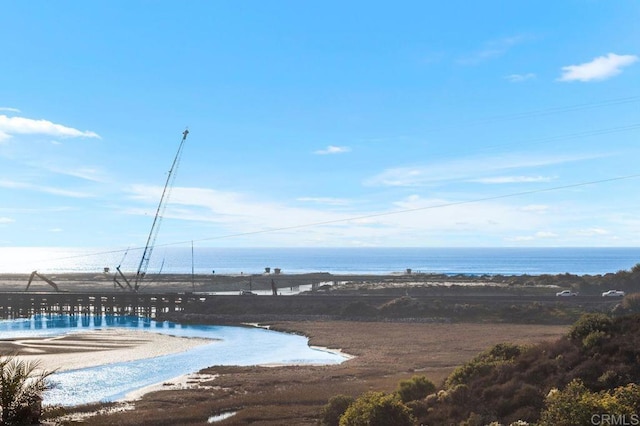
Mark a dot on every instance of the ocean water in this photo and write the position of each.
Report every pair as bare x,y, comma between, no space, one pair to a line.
236,346
206,260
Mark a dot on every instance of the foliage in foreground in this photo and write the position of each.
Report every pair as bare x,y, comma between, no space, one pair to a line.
592,371
377,409
417,387
483,363
21,387
335,408
576,405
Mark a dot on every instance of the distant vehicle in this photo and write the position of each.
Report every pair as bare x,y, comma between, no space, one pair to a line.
566,293
613,293
247,293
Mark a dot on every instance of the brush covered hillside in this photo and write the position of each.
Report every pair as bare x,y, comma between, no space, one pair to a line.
592,370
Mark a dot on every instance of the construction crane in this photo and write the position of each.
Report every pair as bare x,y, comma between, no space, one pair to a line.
134,284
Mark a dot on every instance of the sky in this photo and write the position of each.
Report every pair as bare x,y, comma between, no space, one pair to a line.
320,124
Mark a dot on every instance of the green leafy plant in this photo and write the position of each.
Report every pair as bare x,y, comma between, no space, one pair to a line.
576,405
22,384
335,408
377,409
588,323
415,388
484,363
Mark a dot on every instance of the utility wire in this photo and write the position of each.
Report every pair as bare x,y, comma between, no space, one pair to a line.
374,215
514,116
541,112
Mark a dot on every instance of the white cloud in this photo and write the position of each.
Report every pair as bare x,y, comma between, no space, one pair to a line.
512,179
44,189
590,232
493,49
6,220
331,149
86,173
519,78
10,126
269,221
325,200
466,169
538,208
9,109
536,236
600,68
521,238
546,234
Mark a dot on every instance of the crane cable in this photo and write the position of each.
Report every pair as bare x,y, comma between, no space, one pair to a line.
155,226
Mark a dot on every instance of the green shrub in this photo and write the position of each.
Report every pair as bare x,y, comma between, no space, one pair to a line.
402,307
417,387
359,309
628,397
587,324
483,364
335,408
576,405
631,302
21,389
593,339
377,409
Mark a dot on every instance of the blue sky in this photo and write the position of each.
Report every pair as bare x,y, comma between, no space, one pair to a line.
412,123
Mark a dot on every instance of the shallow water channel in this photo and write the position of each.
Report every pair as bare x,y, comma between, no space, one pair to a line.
233,346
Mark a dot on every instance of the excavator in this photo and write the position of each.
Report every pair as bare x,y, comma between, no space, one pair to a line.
135,283
43,278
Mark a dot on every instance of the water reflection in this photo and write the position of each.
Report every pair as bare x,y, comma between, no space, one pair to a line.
233,346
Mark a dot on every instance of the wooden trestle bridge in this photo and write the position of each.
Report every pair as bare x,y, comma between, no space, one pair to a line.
24,304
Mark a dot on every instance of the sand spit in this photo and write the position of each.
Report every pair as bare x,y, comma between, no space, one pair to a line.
97,347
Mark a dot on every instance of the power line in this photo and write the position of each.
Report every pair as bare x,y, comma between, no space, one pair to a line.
542,140
437,206
514,116
568,108
374,215
543,112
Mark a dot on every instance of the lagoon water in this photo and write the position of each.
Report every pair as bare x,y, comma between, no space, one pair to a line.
236,346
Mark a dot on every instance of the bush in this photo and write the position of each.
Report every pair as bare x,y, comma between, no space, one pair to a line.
576,405
335,408
631,302
587,324
402,307
417,387
377,409
483,364
571,406
593,339
21,388
359,309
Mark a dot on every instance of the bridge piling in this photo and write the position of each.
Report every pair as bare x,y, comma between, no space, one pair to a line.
25,304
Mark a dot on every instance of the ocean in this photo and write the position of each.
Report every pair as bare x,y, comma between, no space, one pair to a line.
209,260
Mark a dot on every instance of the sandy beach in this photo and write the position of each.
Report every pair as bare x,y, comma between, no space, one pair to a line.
96,347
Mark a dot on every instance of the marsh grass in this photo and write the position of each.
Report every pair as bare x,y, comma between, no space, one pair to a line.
385,354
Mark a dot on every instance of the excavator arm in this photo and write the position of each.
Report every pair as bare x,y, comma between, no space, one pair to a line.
43,278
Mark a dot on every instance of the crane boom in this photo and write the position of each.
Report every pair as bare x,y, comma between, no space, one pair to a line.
155,226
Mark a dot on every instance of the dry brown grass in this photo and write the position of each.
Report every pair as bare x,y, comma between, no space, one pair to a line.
385,354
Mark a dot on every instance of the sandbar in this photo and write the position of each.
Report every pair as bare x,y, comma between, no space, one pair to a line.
96,347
